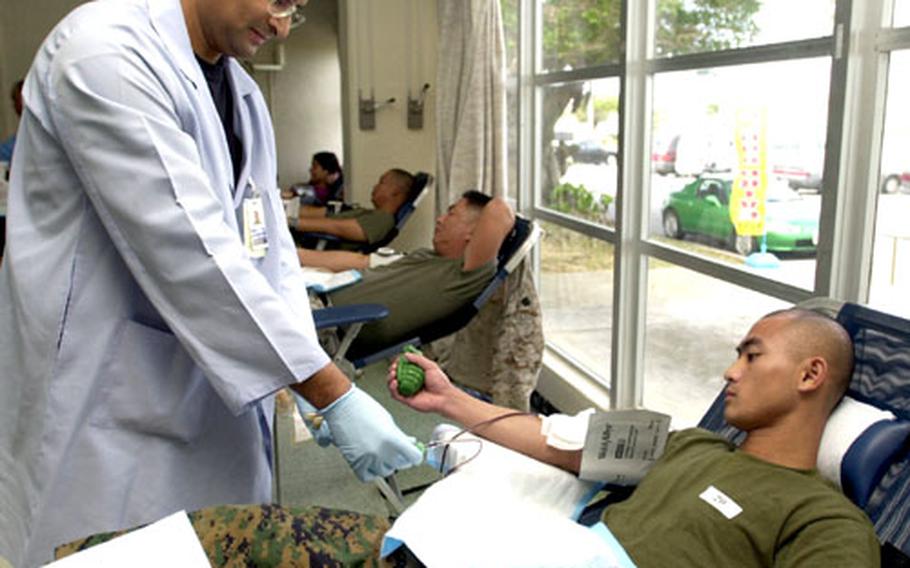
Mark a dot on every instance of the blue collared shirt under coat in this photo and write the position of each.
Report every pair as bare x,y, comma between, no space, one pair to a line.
139,342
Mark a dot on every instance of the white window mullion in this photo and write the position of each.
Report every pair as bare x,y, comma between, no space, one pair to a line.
630,274
858,87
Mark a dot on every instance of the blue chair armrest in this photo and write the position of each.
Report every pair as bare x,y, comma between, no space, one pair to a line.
322,236
870,456
360,362
346,315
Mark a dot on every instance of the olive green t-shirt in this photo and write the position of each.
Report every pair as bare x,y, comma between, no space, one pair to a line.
788,517
375,223
418,289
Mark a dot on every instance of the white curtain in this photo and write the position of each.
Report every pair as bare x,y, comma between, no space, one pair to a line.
470,97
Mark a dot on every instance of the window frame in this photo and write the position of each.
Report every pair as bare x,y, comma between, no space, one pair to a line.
857,90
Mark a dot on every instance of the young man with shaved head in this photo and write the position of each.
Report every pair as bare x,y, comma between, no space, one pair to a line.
766,503
151,302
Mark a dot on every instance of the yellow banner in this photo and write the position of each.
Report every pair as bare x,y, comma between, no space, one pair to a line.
747,197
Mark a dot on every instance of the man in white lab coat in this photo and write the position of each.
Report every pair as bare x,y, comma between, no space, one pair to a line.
150,299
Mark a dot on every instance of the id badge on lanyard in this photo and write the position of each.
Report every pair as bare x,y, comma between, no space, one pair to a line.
255,236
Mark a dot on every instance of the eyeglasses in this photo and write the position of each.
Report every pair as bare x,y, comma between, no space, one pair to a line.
287,9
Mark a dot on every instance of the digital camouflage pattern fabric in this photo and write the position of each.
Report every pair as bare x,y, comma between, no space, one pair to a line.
266,536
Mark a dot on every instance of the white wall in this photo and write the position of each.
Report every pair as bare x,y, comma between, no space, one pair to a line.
305,96
397,38
388,44
24,25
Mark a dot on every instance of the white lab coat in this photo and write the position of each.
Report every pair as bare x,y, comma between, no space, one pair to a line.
139,343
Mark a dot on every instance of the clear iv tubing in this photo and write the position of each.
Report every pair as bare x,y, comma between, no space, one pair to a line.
471,429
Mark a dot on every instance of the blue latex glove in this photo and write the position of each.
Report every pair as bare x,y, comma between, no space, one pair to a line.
367,436
310,415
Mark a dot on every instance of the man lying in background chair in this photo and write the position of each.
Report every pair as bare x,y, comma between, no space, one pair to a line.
360,224
425,284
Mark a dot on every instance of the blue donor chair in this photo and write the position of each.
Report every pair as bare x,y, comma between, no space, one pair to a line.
419,191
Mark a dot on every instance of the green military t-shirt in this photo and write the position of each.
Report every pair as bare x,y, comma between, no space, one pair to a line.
418,289
375,223
778,516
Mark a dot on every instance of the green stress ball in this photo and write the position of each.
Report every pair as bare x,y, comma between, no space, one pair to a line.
410,375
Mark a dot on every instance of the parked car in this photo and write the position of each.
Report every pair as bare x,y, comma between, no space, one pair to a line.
798,177
799,164
891,183
664,162
702,208
694,153
591,152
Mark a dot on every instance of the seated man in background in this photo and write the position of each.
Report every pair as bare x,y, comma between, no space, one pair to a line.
770,505
426,284
362,225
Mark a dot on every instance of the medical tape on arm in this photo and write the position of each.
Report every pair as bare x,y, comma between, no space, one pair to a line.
565,432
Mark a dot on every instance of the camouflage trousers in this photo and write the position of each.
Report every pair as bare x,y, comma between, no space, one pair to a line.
500,353
267,536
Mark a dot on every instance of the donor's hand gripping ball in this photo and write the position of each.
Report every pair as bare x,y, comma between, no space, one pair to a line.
410,375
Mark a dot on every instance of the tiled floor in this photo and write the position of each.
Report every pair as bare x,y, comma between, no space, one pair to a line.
311,475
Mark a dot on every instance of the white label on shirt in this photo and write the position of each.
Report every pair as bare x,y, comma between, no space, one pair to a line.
716,498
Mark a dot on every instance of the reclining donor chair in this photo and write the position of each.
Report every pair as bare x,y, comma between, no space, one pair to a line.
865,450
349,319
419,191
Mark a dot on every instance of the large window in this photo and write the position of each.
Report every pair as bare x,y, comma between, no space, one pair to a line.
576,284
579,33
581,151
696,118
738,162
889,283
901,13
693,27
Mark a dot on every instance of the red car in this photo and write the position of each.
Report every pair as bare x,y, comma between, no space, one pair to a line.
891,183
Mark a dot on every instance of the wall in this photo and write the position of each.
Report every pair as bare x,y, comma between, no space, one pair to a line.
396,38
22,29
387,45
305,96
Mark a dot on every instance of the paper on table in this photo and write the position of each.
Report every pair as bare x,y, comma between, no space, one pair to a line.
172,541
323,281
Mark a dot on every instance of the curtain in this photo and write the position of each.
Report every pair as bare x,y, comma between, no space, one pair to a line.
470,109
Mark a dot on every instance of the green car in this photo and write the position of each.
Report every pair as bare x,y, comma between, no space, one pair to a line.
702,207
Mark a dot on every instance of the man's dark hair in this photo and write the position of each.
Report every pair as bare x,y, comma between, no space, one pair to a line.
328,161
476,199
405,180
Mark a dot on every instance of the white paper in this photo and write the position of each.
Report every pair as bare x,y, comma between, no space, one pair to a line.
622,445
500,509
326,281
172,541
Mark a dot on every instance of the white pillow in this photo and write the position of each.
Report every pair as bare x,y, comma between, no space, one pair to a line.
847,423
